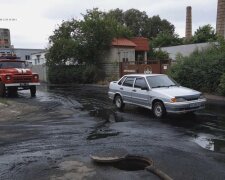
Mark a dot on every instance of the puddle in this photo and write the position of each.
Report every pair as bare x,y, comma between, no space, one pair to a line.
106,114
102,131
216,145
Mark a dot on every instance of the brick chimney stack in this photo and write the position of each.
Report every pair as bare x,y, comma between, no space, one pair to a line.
220,21
188,33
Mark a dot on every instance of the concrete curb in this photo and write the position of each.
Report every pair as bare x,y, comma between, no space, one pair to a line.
215,99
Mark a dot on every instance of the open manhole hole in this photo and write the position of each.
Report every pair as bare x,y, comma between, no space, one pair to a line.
123,161
133,163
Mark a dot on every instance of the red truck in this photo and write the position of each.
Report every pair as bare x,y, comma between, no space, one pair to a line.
15,76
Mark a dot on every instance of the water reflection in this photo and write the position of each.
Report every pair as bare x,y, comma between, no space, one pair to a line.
217,145
102,129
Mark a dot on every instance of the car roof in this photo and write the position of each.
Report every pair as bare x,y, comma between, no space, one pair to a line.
143,75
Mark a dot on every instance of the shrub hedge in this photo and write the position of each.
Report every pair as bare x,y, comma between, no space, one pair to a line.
74,74
202,70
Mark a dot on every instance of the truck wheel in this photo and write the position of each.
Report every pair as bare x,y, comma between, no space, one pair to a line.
33,91
12,91
159,110
2,90
119,102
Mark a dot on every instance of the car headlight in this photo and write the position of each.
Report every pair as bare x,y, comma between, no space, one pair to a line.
8,77
178,99
36,77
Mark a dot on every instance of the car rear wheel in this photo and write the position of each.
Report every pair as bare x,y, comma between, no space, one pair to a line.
159,110
2,90
119,102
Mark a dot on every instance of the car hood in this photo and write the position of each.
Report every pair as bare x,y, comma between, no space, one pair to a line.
16,71
176,91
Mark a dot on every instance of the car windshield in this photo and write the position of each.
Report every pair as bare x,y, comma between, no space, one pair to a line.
12,64
160,81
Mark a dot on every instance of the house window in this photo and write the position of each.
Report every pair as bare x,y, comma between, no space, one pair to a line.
27,57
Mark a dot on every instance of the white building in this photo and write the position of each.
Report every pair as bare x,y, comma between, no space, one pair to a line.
38,58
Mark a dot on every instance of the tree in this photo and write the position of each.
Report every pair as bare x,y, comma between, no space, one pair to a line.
156,25
85,40
140,23
135,20
204,34
116,14
166,39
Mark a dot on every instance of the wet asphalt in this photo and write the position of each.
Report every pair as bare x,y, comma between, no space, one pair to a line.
74,122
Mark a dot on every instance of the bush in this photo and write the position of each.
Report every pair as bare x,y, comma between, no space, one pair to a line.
201,70
92,74
222,85
74,74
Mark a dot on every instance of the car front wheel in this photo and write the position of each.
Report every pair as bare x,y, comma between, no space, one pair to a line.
119,102
159,110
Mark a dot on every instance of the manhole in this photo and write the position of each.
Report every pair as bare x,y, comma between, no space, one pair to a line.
133,163
123,161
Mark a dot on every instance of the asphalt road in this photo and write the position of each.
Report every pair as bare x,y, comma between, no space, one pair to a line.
64,125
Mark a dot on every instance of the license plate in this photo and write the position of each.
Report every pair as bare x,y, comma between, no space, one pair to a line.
194,105
23,84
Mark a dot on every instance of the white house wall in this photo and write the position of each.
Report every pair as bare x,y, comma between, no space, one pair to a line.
112,59
42,59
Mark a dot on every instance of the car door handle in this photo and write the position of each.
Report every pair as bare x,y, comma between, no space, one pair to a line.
121,88
134,90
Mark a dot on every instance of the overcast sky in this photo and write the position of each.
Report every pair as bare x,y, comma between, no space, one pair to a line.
31,22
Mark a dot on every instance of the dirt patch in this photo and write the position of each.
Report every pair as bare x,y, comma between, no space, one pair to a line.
11,110
74,170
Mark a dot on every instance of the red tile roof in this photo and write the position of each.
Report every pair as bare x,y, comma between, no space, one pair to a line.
141,42
123,42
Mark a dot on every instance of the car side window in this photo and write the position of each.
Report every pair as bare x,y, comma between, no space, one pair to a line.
128,82
140,83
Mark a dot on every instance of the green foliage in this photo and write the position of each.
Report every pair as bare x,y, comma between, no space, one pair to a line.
157,25
202,70
158,54
166,39
92,74
85,40
204,34
62,74
140,23
222,85
64,50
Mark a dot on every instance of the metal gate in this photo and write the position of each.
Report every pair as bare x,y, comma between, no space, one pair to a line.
146,67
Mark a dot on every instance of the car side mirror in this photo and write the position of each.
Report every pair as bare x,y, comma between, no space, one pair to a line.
145,88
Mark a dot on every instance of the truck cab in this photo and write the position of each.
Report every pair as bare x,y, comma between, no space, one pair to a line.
14,76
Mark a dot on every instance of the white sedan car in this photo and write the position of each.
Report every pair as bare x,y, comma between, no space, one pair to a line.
157,92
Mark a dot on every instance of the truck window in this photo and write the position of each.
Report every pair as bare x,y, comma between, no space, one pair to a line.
12,64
